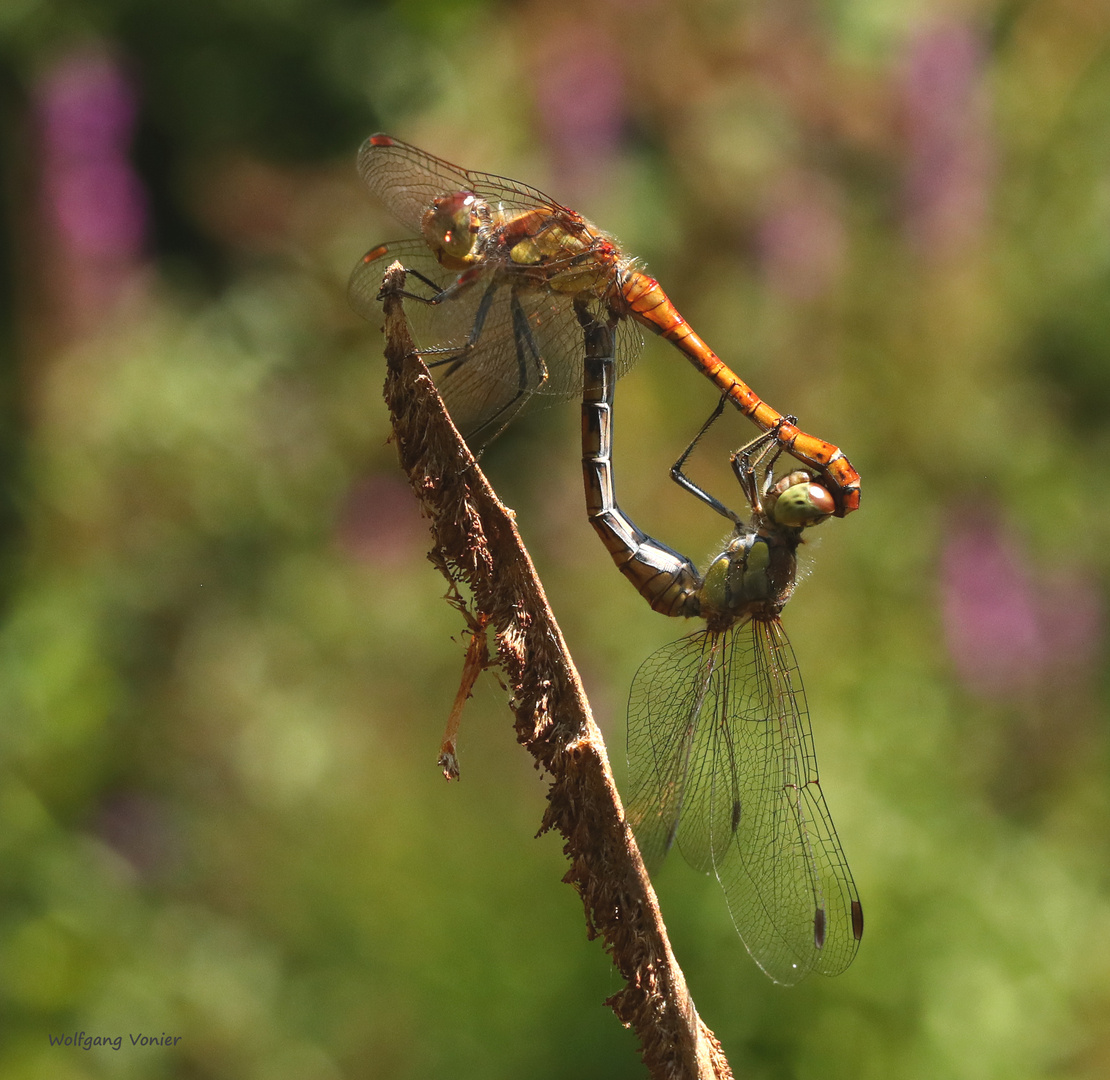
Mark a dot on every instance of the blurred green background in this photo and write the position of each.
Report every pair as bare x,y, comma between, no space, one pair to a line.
225,663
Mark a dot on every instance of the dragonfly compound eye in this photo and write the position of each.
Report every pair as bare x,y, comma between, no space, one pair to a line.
451,225
803,504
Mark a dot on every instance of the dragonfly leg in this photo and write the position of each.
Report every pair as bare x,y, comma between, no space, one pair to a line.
531,373
527,350
684,482
461,284
460,356
437,296
754,464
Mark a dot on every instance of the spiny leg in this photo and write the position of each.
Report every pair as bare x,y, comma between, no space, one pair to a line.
761,453
684,482
528,358
462,355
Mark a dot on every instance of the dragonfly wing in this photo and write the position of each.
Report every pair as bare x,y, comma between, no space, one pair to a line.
629,344
787,883
490,346
407,180
437,329
554,332
672,751
366,278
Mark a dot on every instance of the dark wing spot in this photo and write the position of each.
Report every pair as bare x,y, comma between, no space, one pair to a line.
735,815
857,920
819,928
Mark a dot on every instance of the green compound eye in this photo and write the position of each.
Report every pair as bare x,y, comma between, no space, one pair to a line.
803,504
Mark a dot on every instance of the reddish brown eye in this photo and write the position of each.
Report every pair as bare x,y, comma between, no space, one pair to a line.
803,504
821,501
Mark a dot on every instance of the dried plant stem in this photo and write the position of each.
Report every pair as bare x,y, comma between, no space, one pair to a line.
476,543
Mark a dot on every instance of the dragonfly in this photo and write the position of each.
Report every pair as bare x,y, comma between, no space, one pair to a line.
720,748
496,271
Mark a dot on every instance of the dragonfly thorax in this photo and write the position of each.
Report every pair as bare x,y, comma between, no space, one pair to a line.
753,576
452,226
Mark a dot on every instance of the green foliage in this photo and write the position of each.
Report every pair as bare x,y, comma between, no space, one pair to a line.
225,663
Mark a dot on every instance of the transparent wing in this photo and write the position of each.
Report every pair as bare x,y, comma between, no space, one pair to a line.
722,760
491,346
407,179
671,750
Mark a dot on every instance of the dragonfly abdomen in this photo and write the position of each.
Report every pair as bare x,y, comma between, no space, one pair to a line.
642,297
645,301
667,580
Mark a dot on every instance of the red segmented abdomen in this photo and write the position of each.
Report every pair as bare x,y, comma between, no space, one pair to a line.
648,303
642,297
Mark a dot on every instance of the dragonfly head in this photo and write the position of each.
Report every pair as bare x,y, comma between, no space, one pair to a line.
796,501
451,226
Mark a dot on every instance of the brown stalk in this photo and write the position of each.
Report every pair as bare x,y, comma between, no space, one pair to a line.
476,543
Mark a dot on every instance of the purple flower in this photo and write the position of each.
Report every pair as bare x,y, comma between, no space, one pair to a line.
801,238
949,151
94,203
1011,627
580,98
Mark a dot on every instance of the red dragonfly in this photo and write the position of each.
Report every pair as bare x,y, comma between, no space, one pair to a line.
501,266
